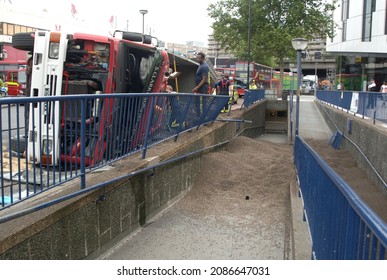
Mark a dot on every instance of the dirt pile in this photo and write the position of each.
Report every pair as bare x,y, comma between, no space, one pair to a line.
246,187
345,165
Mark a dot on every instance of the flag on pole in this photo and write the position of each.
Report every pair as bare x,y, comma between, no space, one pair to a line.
73,10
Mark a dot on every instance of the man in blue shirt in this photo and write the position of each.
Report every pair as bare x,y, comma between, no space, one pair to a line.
201,76
201,82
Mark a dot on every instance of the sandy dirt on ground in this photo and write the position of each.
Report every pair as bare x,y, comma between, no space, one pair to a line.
246,187
345,165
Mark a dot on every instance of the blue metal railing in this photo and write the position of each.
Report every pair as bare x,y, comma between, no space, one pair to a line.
342,226
92,131
252,96
372,105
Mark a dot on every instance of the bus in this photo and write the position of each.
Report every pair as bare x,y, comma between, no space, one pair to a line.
225,71
289,78
262,74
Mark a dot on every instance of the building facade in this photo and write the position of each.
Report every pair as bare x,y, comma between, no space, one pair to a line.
360,43
219,56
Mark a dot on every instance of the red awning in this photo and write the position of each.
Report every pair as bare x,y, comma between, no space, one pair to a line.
14,56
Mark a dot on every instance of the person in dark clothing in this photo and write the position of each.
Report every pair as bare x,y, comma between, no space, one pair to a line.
201,76
371,95
216,87
201,82
223,89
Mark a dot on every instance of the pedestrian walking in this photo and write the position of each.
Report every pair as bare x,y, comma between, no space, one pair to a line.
383,88
371,95
223,89
340,86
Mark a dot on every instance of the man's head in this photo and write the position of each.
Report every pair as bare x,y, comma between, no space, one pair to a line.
200,57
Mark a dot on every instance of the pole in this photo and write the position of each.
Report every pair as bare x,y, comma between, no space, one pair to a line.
299,74
291,107
143,21
143,12
248,46
315,79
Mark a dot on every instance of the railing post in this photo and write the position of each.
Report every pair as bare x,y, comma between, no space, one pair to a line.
150,118
374,118
245,100
83,142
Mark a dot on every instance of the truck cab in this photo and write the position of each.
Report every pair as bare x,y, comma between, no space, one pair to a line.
308,84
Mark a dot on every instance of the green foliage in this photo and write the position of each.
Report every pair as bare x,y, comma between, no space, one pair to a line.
274,23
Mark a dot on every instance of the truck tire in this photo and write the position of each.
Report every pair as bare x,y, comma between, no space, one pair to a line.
19,146
23,41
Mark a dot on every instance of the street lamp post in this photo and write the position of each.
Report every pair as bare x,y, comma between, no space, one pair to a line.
248,46
293,69
299,44
143,12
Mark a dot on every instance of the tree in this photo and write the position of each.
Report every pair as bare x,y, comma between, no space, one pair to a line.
274,23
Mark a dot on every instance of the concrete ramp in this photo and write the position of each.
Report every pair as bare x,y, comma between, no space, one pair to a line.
312,124
238,209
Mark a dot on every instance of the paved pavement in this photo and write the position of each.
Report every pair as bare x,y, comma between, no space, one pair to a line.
312,124
176,233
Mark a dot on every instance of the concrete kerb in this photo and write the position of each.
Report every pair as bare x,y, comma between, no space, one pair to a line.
300,236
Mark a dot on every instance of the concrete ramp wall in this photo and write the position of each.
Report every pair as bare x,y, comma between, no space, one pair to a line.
371,139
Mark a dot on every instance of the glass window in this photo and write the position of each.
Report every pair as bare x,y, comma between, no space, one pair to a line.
344,17
17,28
385,23
345,10
368,9
344,31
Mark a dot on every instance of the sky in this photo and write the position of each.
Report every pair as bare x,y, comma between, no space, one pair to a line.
174,21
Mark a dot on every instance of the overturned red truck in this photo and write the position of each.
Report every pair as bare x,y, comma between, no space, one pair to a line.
67,64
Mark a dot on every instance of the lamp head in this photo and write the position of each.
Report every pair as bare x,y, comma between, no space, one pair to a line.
299,44
143,12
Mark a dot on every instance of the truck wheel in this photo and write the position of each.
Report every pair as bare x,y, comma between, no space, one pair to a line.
18,146
23,41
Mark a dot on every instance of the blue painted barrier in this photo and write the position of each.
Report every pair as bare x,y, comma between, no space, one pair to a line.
372,105
342,226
